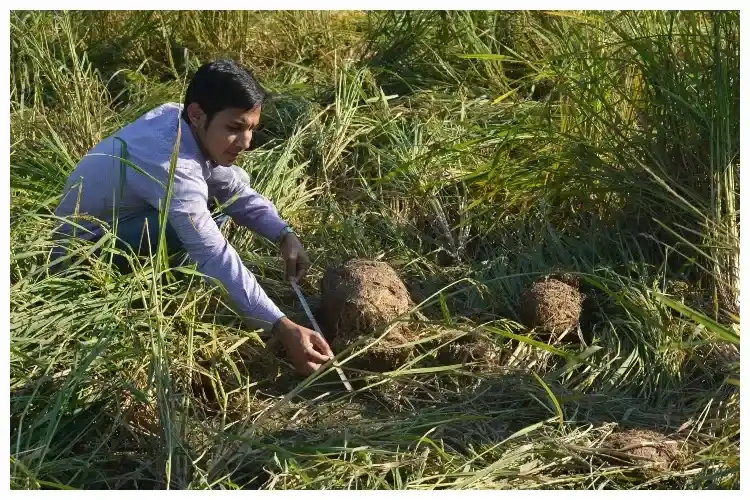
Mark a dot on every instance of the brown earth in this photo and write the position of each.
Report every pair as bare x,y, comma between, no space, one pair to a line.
473,349
362,298
646,446
551,306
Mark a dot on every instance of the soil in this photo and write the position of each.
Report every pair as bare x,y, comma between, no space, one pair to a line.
362,297
139,406
478,351
386,355
257,364
647,446
551,306
701,299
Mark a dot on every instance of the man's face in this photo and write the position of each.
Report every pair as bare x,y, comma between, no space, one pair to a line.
228,134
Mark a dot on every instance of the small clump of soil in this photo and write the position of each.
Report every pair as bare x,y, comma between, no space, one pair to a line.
473,349
648,446
362,297
702,300
551,305
138,405
384,356
215,376
691,295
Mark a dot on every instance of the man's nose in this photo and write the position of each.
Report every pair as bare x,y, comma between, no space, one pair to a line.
244,139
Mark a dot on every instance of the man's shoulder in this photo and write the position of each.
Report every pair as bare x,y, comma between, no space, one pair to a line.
228,174
151,138
159,122
169,110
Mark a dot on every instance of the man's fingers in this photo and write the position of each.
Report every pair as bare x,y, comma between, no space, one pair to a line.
314,355
311,368
302,268
300,273
317,357
306,368
319,342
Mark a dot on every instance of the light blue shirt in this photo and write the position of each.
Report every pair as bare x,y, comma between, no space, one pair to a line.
94,189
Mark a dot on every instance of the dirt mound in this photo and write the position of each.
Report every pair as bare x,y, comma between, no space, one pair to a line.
361,297
567,278
551,305
691,295
478,350
647,446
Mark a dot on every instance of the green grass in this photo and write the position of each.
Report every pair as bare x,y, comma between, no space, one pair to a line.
474,152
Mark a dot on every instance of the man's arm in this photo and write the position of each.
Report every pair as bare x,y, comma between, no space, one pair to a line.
189,217
230,186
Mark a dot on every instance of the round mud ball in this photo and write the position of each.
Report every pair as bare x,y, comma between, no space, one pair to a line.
361,297
645,445
551,306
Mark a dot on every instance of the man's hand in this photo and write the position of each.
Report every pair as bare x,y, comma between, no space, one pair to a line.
305,348
296,261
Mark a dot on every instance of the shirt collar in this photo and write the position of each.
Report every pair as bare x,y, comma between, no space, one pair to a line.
192,148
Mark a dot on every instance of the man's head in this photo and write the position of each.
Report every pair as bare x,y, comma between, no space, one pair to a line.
222,105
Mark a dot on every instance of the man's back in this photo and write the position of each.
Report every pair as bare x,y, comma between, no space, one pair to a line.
101,183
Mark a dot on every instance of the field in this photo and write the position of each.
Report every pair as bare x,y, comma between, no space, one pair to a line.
475,153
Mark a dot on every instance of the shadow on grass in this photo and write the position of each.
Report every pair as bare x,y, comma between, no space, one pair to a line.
494,417
465,422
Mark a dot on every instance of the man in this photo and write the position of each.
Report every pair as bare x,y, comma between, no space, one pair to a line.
221,110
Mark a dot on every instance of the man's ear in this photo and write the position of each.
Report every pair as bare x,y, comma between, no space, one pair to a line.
196,115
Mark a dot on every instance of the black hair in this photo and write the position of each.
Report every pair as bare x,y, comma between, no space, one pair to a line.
221,85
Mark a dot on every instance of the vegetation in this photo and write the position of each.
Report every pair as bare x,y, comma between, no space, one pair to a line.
475,152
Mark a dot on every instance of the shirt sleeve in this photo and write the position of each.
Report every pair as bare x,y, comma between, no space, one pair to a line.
190,218
229,185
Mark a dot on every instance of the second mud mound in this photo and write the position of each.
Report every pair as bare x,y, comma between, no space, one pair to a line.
551,305
385,355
